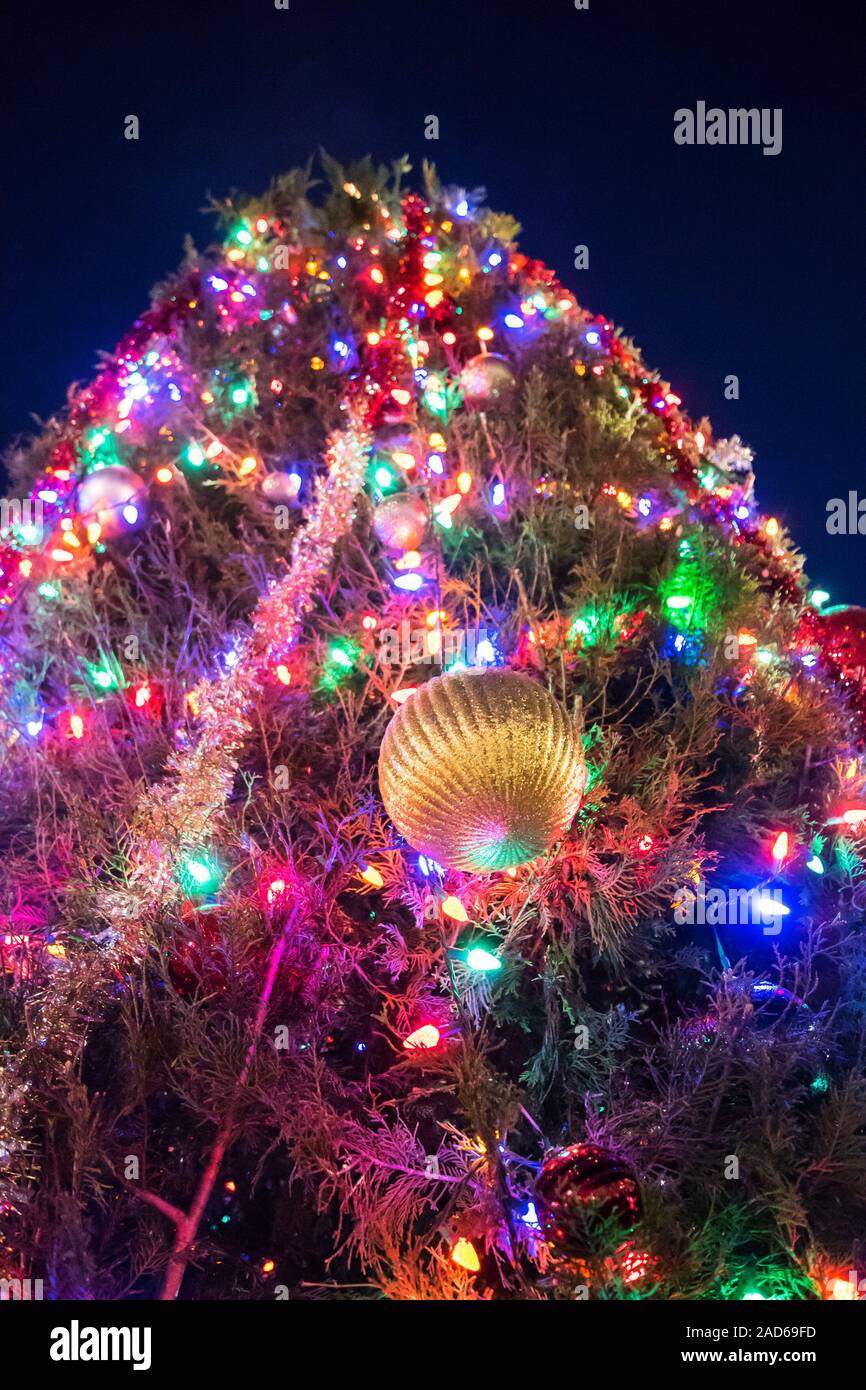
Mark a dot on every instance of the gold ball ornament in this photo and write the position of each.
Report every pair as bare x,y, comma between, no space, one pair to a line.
113,497
481,770
487,380
400,522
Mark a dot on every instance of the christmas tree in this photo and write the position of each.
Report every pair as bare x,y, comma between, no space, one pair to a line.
432,800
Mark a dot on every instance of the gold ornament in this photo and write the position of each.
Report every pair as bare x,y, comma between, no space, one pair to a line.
486,380
481,770
400,521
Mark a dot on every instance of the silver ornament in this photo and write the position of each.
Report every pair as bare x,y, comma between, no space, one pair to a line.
486,380
114,499
400,522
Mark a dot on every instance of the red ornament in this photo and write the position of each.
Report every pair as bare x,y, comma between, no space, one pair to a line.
843,636
198,964
581,1186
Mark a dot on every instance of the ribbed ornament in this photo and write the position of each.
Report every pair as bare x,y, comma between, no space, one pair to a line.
481,770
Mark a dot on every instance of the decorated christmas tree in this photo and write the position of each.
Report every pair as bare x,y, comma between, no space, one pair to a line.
432,801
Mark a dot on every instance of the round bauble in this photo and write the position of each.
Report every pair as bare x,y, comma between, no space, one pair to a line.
582,1186
282,487
487,380
400,522
112,497
843,635
481,770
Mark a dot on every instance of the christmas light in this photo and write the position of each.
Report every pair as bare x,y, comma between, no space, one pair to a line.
479,959
423,1038
464,1254
372,876
780,846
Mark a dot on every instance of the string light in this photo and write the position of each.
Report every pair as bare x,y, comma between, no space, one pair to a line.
424,1038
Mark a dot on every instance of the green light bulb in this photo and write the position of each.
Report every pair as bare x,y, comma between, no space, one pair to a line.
479,959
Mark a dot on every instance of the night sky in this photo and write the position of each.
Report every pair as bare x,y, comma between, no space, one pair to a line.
716,260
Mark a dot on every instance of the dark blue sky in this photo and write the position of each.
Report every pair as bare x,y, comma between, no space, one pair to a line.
715,260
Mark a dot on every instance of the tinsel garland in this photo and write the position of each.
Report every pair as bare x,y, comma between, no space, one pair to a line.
184,812
183,809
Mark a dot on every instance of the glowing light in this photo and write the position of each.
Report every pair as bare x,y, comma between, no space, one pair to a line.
372,876
411,583
464,482
485,334
781,846
819,597
410,561
76,726
679,601
452,907
195,456
513,321
376,275
854,816
772,526
842,1290
268,1267
401,396
479,959
424,1038
401,696
769,907
200,875
143,695
815,864
275,890
248,465
464,1253
283,674
339,655
498,494
164,475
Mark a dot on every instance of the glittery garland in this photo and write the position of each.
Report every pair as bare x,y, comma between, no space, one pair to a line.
183,810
